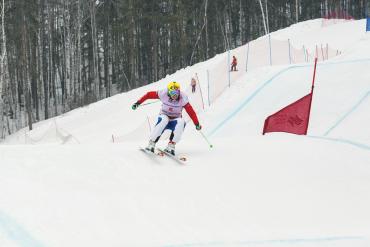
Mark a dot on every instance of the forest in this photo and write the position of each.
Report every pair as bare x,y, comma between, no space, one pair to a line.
58,55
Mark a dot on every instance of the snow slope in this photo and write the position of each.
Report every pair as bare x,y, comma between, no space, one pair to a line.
249,190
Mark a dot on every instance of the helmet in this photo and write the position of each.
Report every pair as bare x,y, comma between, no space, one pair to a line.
173,86
173,89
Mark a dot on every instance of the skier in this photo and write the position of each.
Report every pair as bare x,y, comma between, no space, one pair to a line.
233,64
170,117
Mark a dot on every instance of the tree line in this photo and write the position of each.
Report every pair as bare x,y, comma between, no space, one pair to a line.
57,55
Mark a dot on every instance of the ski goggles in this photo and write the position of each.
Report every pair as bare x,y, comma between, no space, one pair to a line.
174,92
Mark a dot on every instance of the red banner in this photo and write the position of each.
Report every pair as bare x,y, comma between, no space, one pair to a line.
293,118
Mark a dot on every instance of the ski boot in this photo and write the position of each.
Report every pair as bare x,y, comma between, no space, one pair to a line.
151,146
170,148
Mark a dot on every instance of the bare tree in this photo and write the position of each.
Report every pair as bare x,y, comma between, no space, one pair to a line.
263,17
2,66
94,40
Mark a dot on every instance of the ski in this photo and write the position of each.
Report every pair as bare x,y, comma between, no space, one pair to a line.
179,159
162,152
144,150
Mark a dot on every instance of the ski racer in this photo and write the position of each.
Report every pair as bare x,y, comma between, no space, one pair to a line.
170,116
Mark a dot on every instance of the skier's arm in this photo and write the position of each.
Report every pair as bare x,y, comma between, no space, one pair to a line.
148,95
189,109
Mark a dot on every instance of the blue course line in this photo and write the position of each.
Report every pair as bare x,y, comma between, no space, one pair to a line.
347,114
266,83
349,142
271,242
16,233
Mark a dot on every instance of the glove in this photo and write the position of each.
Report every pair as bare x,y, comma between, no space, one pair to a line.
198,127
135,106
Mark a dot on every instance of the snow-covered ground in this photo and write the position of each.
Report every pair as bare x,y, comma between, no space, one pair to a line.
66,183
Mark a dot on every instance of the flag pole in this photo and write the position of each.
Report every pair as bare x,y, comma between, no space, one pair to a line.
314,76
312,87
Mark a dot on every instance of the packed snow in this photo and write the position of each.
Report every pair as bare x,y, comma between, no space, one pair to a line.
80,180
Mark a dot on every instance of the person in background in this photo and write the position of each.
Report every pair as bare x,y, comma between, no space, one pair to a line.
193,85
234,63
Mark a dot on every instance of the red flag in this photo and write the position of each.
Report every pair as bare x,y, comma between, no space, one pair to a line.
291,119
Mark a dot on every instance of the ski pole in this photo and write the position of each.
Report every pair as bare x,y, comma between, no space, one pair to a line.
205,138
149,103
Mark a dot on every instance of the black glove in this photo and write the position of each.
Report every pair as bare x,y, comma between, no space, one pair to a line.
135,106
198,127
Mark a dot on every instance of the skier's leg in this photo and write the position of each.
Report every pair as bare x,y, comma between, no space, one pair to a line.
159,128
157,132
178,130
177,127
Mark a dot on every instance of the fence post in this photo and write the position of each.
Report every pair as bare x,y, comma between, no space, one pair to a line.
209,101
327,51
290,56
270,50
322,53
246,67
228,66
200,89
304,54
